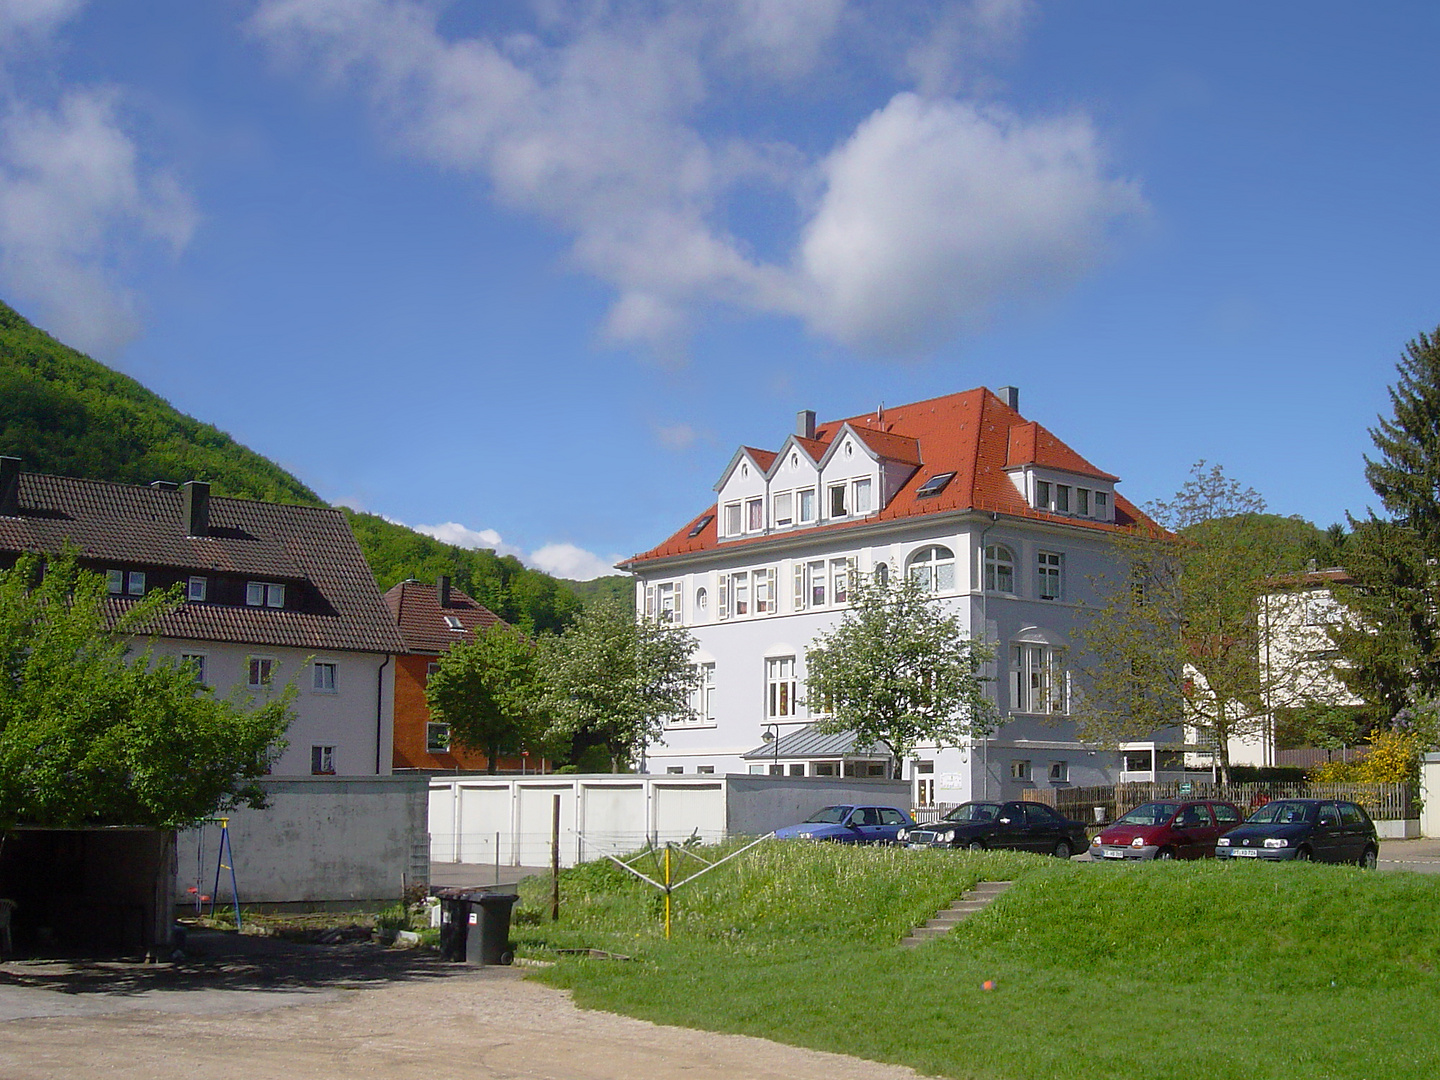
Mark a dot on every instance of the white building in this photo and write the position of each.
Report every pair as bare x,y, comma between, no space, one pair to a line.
274,595
1002,521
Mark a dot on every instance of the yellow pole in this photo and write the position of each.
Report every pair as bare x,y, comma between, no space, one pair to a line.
667,892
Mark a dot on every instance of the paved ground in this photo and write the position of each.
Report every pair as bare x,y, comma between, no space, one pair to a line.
264,1010
1421,856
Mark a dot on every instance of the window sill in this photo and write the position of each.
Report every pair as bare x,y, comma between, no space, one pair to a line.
707,725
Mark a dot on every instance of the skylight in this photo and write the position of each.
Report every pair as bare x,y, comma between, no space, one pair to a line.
700,525
453,621
935,485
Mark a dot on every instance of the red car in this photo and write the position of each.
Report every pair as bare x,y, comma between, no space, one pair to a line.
1185,829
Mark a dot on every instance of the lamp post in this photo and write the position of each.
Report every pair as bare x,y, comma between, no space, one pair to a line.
772,736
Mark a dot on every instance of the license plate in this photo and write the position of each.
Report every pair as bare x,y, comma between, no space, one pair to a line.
1113,853
1244,853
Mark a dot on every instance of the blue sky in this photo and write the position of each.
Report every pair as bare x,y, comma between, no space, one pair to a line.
525,274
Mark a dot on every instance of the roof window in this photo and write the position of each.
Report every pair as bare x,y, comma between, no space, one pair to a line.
453,622
935,485
699,526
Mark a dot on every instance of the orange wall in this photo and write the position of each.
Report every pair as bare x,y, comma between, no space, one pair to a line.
411,716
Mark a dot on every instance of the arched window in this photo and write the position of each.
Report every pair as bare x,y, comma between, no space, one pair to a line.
882,574
702,603
999,569
934,568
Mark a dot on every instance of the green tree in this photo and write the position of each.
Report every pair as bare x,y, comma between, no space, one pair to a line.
1175,635
487,690
613,680
898,669
92,735
1407,475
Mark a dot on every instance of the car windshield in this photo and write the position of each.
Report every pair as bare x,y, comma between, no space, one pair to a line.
1282,813
831,815
1150,813
974,811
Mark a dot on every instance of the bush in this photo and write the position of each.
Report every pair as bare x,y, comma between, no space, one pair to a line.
1394,758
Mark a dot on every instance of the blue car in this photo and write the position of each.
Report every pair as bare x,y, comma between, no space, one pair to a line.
850,825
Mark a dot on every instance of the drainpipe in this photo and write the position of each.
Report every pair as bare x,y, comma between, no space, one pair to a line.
380,710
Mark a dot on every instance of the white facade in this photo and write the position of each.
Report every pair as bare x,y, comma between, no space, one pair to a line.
775,577
344,704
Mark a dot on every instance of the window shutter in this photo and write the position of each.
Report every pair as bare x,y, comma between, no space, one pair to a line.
770,590
679,616
850,579
722,596
650,601
799,586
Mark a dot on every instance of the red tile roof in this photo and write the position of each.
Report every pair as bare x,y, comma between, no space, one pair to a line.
415,607
972,434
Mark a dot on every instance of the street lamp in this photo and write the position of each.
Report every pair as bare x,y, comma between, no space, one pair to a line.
771,735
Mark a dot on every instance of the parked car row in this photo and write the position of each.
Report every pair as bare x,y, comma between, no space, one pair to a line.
1323,830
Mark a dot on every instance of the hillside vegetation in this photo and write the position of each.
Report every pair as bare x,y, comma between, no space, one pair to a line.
1206,971
63,413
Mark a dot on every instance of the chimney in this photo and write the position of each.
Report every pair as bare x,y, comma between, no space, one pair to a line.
1010,395
196,500
442,590
9,487
805,423
164,485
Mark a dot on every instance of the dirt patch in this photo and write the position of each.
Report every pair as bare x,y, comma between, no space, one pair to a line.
263,1008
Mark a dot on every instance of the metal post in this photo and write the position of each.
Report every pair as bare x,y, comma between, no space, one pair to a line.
667,892
555,858
497,858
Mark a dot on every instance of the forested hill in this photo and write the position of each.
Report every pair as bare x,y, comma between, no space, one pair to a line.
62,412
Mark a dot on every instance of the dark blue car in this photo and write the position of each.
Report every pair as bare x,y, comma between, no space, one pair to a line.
850,825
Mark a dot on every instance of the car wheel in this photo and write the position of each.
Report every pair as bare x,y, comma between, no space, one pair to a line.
977,845
1062,850
1303,855
1370,860
1165,853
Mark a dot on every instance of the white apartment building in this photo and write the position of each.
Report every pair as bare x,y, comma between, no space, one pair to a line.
999,519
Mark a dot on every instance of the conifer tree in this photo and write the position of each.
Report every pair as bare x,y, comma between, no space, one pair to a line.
1407,475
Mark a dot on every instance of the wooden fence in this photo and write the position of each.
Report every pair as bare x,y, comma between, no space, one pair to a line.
1094,805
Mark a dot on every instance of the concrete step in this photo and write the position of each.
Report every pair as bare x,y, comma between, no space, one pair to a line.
977,899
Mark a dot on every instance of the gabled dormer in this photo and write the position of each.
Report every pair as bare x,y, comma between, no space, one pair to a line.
741,494
1053,478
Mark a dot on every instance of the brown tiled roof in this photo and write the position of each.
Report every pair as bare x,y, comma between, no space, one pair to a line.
763,458
128,526
416,609
968,434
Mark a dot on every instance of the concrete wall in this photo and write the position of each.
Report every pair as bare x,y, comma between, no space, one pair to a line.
760,804
483,819
322,840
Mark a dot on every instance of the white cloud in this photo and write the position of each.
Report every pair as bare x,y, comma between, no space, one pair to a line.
78,200
560,560
937,212
569,561
593,123
677,436
21,19
452,532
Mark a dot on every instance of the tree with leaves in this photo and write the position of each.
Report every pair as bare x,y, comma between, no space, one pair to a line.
898,669
612,681
93,735
1391,639
1175,636
488,691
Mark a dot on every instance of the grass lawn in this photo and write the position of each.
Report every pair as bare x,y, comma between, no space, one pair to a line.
1194,971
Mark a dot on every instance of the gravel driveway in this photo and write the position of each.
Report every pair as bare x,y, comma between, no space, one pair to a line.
260,1009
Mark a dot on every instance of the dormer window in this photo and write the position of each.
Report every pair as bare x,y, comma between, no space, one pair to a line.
1082,502
196,589
784,509
1062,498
837,500
807,505
1042,494
862,495
264,594
1102,508
755,515
732,519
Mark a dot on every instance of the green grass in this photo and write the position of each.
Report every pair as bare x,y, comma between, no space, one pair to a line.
1197,971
